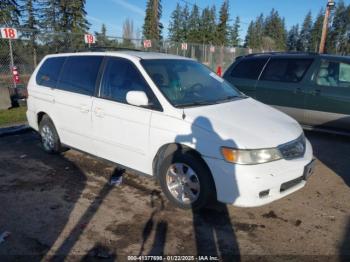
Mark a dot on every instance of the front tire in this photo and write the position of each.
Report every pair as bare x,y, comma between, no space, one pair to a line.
49,136
186,181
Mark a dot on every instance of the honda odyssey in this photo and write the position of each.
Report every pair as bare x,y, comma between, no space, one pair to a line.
172,118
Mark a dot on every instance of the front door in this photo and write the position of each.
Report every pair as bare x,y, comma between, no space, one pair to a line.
121,130
281,85
328,102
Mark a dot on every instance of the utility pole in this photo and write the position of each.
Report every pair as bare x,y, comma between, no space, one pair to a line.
330,5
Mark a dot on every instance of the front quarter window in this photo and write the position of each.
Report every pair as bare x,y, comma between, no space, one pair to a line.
189,83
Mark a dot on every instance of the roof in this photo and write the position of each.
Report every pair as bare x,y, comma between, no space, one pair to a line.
128,54
151,55
296,54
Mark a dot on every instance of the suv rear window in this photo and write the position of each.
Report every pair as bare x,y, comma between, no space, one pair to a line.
79,74
249,68
286,69
49,71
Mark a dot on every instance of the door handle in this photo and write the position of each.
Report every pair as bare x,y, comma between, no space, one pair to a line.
84,109
316,92
297,90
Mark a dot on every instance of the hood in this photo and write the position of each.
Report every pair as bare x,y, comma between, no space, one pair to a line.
247,123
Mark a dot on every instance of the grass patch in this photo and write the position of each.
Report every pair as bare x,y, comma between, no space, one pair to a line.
12,116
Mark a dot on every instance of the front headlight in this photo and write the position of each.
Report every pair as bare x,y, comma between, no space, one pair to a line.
250,156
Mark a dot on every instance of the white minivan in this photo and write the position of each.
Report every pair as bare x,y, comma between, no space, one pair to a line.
172,118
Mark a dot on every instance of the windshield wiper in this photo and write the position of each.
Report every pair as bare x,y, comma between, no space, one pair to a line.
197,103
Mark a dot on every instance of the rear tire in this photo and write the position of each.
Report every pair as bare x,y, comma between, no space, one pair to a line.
186,181
49,136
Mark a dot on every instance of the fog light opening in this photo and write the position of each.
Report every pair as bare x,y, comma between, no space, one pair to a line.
264,193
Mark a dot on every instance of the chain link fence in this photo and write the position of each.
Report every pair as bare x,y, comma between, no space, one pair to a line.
30,47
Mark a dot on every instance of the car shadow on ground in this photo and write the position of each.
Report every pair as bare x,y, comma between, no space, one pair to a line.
39,193
213,229
345,246
333,151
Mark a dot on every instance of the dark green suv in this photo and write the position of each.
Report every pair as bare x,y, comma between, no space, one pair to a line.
314,89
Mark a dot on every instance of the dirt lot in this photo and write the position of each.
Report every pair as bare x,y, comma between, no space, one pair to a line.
63,206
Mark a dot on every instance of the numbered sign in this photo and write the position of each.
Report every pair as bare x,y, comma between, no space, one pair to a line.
89,39
9,33
233,50
250,51
184,46
212,49
147,43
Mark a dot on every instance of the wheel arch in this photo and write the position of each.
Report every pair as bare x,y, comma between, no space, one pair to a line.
169,149
39,116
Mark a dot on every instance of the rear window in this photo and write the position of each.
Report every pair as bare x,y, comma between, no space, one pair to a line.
286,69
249,68
79,74
49,71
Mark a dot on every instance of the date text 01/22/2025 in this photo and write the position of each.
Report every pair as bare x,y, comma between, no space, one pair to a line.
173,258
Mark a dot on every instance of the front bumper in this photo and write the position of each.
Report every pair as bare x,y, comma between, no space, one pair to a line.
246,185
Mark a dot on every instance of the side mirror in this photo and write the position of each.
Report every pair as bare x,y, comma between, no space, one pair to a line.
137,98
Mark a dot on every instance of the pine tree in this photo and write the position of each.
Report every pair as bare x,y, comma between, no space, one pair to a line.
339,35
9,13
208,25
258,29
250,41
275,31
49,15
194,26
152,27
185,15
293,38
305,34
316,32
222,27
175,33
30,22
234,34
73,21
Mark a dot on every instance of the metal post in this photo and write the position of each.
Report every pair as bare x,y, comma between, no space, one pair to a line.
12,62
330,4
34,57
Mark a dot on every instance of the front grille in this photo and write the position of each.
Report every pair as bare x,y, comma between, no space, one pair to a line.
294,149
291,183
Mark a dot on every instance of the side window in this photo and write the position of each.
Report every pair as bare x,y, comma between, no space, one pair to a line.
286,69
120,77
249,68
333,74
79,74
49,71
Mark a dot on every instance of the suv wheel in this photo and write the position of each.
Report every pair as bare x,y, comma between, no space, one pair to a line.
186,181
49,137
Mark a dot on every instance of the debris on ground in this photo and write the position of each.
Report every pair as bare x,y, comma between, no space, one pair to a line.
116,178
297,223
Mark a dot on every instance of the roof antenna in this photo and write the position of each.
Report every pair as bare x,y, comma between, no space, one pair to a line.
183,114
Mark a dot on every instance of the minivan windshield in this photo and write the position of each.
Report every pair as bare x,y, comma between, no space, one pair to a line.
188,83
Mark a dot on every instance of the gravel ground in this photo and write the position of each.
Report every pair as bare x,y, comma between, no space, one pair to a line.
62,207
